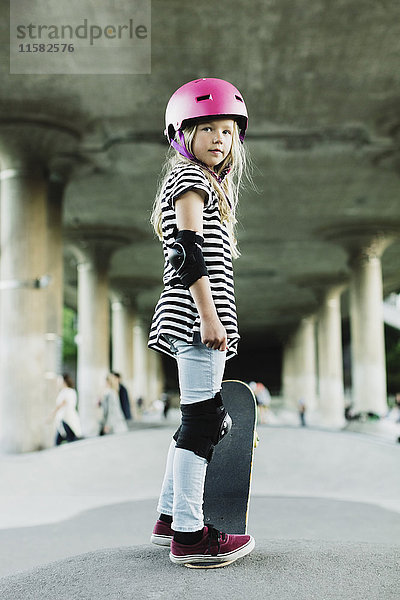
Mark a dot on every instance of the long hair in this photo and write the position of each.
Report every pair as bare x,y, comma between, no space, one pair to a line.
227,191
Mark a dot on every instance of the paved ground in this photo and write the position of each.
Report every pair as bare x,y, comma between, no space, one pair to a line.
284,570
325,513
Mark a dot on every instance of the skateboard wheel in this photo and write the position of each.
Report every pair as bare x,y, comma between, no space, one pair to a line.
208,565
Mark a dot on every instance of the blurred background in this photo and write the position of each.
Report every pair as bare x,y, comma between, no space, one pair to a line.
318,280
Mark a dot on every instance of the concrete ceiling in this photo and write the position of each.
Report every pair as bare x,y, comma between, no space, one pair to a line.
322,84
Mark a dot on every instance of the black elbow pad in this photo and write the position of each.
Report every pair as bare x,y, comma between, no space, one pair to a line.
187,258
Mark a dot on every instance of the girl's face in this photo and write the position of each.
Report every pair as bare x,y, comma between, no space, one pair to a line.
212,141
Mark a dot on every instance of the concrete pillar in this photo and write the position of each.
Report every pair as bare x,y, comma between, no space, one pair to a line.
305,363
23,322
155,379
288,373
122,323
299,366
330,360
93,249
93,333
367,331
365,246
29,279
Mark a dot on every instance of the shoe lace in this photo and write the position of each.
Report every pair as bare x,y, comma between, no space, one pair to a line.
214,539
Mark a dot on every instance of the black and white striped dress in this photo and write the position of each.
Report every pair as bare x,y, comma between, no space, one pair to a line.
176,313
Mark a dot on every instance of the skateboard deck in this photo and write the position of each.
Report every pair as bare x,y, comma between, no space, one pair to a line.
228,478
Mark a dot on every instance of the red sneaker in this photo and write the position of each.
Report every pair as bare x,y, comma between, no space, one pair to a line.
216,549
162,534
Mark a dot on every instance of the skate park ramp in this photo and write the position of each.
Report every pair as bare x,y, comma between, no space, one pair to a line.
325,512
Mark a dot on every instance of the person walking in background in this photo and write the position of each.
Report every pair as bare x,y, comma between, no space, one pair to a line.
65,413
123,398
113,420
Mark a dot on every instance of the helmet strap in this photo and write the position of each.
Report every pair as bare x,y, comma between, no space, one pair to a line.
181,148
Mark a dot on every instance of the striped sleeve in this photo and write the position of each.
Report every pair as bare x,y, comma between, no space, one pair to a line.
187,178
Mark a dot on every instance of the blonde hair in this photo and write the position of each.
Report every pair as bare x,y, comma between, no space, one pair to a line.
227,191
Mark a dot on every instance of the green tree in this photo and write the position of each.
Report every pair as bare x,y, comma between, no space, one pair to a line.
69,333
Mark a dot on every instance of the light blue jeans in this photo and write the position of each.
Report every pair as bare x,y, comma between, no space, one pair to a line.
200,372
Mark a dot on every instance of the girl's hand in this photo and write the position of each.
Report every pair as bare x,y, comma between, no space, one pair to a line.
213,334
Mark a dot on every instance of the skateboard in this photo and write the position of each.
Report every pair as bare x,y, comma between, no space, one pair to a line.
228,479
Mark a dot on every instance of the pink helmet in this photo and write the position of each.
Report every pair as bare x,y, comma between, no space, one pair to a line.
205,97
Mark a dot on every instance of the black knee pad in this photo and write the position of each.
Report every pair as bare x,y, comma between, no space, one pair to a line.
204,424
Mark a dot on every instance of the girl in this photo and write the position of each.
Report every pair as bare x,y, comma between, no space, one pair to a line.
195,318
